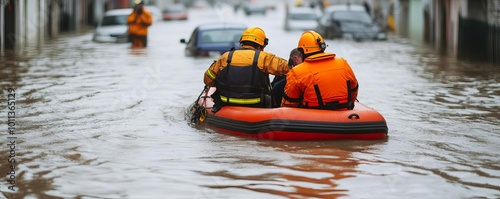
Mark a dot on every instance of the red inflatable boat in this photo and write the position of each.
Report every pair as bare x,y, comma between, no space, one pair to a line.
287,123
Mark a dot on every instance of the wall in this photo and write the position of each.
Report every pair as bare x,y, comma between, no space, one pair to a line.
31,33
453,27
416,21
476,10
99,10
401,15
493,12
53,21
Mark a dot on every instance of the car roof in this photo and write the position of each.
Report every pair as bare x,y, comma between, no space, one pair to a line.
176,5
345,7
175,8
124,11
223,25
301,10
255,5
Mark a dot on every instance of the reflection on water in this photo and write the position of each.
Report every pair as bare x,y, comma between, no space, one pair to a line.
311,169
107,121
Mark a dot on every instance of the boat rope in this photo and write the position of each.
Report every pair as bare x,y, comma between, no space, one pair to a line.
198,110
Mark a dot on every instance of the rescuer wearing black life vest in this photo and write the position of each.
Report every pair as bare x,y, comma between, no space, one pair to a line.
321,81
242,76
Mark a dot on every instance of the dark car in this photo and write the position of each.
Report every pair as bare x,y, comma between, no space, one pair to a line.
213,39
349,21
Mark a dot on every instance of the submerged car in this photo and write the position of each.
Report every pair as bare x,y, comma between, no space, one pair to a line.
254,8
351,22
301,18
213,39
113,26
175,12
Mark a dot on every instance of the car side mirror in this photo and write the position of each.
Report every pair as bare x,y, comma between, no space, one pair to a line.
183,41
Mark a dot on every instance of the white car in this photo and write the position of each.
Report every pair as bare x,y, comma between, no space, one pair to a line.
113,26
301,18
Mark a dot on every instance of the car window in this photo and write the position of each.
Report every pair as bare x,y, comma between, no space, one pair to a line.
220,36
352,16
174,10
255,7
114,20
303,16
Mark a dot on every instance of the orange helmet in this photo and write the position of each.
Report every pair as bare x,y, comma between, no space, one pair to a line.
311,42
254,34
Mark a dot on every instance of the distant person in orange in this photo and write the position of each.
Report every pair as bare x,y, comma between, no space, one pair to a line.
321,81
138,22
391,25
299,3
326,3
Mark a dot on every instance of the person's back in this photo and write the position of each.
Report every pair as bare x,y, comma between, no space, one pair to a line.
322,81
241,82
278,83
241,76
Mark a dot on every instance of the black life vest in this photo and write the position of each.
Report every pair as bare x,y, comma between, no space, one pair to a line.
242,84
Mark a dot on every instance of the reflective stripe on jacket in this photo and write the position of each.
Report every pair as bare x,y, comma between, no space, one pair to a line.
138,25
321,80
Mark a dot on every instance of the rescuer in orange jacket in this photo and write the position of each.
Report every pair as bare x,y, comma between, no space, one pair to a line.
322,80
242,76
139,21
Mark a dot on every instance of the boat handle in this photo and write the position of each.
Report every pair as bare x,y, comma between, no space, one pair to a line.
353,115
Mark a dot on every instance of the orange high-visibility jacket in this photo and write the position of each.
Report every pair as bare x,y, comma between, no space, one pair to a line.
138,24
268,63
320,74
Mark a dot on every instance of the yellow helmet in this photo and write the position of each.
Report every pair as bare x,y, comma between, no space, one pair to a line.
311,42
254,34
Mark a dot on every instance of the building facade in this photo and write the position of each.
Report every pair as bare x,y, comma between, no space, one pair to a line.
31,22
468,29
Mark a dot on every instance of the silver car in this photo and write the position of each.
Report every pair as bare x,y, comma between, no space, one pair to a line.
301,18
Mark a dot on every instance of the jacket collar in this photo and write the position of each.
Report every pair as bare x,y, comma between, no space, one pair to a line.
320,56
247,47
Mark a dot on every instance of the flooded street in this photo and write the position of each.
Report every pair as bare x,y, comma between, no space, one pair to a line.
100,120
